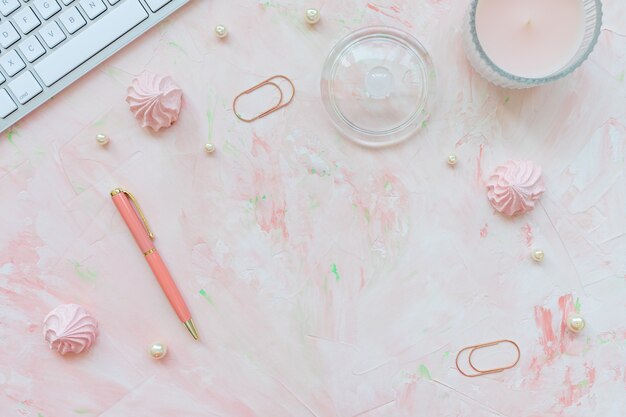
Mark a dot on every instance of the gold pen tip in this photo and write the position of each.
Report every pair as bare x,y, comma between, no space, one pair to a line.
192,329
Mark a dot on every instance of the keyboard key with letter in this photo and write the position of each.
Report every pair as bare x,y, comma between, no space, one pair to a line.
8,34
12,63
26,20
8,6
52,34
31,49
72,20
91,41
47,8
93,8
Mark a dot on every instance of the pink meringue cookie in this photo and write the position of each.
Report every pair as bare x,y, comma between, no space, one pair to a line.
514,187
155,100
70,328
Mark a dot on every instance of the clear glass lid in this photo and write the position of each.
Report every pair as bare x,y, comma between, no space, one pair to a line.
377,85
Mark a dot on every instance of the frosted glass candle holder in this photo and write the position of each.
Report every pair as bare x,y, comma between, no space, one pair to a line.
592,11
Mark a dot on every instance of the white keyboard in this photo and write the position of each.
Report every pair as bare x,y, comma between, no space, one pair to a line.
45,45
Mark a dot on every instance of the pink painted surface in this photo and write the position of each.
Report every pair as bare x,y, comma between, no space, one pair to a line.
325,279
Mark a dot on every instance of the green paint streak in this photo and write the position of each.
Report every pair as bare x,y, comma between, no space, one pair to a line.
254,201
388,187
206,296
263,198
82,411
582,384
507,99
322,173
424,372
177,46
604,339
40,415
113,72
83,272
366,213
577,305
313,203
229,148
446,354
11,133
333,269
621,77
424,124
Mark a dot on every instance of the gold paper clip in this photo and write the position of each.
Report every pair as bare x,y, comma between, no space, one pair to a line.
480,372
271,110
137,207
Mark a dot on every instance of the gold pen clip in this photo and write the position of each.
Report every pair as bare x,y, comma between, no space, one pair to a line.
137,207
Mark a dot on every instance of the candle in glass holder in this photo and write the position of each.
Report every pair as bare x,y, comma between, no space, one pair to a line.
530,38
520,43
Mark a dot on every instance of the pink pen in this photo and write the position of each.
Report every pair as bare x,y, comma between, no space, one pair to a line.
136,222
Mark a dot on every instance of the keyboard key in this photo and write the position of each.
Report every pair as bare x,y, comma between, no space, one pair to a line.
93,8
156,4
7,105
47,8
25,87
26,20
8,6
92,40
2,79
31,49
66,2
72,20
112,2
52,34
12,63
8,34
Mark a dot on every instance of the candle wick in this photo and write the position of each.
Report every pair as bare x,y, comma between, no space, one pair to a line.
528,22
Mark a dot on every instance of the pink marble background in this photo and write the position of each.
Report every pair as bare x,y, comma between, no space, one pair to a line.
325,279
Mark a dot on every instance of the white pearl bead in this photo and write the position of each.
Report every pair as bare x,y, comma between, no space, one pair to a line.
576,323
538,255
209,147
312,16
158,350
221,31
452,159
102,139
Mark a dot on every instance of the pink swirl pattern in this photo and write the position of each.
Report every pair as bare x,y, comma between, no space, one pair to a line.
514,187
155,100
70,328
